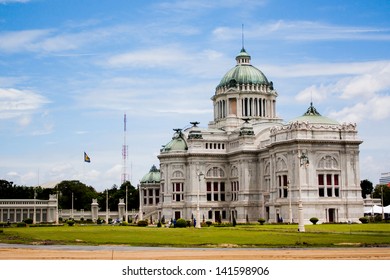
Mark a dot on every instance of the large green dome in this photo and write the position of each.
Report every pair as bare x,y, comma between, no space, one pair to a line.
243,73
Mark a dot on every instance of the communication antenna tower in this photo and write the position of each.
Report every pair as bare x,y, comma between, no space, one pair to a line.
124,152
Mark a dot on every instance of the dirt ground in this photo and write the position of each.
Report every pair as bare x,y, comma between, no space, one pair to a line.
196,254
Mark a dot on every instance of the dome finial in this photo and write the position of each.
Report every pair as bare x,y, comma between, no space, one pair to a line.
312,111
242,38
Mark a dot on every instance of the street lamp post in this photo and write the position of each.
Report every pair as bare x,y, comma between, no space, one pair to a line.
126,213
71,213
383,211
289,203
35,208
197,203
303,161
107,209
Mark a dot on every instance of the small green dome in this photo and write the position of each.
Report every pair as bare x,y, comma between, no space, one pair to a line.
243,73
153,176
177,143
313,117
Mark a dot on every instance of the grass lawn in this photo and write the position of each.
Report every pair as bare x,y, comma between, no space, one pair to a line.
323,235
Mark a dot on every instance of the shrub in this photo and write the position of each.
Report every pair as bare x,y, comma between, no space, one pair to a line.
28,221
223,225
142,223
314,220
209,223
21,224
159,224
181,223
363,220
378,218
234,222
261,221
70,222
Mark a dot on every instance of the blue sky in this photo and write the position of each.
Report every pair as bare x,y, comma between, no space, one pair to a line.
69,70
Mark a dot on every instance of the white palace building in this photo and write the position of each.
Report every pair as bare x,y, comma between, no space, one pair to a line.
249,164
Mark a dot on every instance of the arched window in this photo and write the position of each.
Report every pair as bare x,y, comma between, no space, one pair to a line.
234,184
215,184
215,172
328,176
177,174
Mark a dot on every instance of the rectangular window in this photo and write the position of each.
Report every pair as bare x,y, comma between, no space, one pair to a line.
321,179
321,192
285,192
329,192
150,201
336,192
329,179
284,180
336,180
208,196
209,186
178,189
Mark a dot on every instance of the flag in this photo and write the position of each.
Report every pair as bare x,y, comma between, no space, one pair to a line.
86,158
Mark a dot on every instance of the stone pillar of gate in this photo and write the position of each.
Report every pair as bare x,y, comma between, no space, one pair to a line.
94,210
121,208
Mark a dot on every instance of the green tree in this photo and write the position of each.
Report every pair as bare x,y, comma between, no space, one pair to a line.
386,193
366,187
115,193
80,193
132,195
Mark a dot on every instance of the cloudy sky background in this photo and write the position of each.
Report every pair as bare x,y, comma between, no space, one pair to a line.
69,70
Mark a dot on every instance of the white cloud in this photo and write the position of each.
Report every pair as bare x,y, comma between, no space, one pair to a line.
376,108
303,31
26,40
13,1
16,103
162,57
327,69
56,40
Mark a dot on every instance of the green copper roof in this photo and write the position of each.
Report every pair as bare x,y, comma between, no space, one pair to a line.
176,144
312,116
243,72
153,176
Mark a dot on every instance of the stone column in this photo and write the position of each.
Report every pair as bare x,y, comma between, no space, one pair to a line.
121,208
94,210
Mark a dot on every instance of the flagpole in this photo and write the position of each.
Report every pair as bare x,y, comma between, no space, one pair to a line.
107,207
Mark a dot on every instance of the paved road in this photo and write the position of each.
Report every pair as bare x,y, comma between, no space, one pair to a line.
55,252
